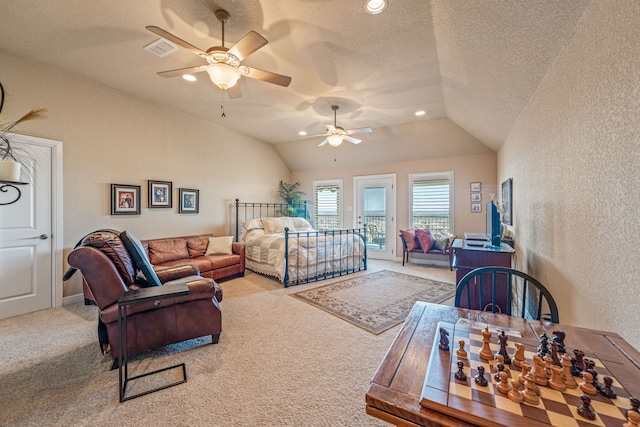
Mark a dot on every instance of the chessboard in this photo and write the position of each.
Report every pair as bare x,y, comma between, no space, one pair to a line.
488,406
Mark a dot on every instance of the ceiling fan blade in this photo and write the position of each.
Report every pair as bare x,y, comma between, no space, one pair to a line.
251,42
331,128
361,130
268,76
234,91
165,35
323,143
351,139
182,71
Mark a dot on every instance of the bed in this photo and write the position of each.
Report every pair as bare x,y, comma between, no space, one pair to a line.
289,249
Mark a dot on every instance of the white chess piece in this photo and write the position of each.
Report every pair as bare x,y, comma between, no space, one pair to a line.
518,357
568,379
461,352
485,351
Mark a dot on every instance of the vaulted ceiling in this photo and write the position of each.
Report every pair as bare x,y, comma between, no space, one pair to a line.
471,65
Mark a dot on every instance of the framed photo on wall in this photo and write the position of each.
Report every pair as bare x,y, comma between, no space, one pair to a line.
160,194
189,200
476,197
476,186
476,207
507,199
125,199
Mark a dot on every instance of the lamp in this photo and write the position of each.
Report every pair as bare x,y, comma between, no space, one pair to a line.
335,139
224,76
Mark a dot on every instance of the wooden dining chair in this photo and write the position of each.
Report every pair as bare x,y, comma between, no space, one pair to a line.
506,290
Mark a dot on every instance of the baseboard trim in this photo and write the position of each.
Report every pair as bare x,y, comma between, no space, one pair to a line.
73,299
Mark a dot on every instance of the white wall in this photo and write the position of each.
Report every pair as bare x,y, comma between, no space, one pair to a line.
111,137
574,155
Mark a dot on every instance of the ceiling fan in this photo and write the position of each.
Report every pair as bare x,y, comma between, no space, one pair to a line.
224,64
336,134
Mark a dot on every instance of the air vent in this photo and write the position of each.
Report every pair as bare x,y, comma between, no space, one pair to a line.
161,48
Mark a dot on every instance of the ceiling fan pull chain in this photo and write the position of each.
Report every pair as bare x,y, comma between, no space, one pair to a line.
222,104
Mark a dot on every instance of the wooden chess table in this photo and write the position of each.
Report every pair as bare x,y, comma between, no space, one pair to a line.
397,388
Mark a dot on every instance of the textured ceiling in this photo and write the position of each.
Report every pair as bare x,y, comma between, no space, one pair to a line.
471,63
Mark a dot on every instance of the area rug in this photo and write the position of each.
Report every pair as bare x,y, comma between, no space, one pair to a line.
376,301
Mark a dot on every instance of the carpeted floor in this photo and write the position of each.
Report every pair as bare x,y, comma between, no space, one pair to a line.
376,301
279,362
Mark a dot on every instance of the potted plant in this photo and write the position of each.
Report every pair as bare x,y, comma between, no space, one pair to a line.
290,195
10,162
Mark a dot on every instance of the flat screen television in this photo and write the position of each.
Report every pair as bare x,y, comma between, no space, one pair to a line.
493,224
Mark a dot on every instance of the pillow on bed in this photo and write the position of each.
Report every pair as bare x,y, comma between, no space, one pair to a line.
252,224
277,225
219,246
301,224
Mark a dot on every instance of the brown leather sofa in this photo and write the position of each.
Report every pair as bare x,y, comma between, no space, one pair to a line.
109,270
175,251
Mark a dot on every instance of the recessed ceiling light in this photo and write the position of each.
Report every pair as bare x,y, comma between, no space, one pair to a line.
302,133
375,6
420,113
189,77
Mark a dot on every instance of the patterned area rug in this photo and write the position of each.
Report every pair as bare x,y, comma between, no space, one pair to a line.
376,301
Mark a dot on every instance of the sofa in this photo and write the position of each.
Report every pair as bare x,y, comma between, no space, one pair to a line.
427,247
110,267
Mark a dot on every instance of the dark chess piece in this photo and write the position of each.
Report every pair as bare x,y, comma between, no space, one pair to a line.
606,389
578,366
444,339
585,408
589,367
543,347
460,375
558,336
479,378
502,339
499,368
635,404
555,354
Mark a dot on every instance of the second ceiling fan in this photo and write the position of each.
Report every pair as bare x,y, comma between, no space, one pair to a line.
336,134
224,64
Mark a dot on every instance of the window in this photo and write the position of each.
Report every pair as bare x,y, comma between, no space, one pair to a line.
328,199
431,201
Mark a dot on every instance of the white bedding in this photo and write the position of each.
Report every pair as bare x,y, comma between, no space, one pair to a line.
311,253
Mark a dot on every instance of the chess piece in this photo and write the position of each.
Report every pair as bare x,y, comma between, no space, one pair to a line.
529,394
606,389
543,347
502,339
460,375
633,419
539,371
587,384
558,337
526,367
566,372
515,394
557,382
499,369
635,404
503,386
444,340
479,378
585,408
461,352
578,367
500,359
548,363
518,357
555,354
485,351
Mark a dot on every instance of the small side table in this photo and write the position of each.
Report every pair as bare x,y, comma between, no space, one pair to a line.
156,293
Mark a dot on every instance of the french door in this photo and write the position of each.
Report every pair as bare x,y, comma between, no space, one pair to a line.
375,202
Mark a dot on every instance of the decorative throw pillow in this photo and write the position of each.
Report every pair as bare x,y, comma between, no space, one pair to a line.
219,246
410,238
443,241
301,224
425,238
277,225
134,246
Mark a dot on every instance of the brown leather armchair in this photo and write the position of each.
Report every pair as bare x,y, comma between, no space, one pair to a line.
108,271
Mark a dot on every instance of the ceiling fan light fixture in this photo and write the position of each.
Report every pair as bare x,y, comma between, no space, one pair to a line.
222,75
334,139
375,6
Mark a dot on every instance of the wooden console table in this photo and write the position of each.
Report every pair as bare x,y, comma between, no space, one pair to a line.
395,391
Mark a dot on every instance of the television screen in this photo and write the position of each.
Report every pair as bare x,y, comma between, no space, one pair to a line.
493,224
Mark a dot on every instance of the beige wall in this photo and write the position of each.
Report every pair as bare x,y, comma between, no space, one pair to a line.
111,137
466,169
574,156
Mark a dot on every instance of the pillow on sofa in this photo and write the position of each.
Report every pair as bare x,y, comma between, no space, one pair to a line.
219,246
443,241
425,238
134,246
410,238
277,225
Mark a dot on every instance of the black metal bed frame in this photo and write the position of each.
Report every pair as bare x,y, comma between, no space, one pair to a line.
262,210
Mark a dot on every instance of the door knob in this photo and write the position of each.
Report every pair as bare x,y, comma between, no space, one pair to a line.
44,236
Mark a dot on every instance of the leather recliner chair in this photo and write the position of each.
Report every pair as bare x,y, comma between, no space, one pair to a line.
109,270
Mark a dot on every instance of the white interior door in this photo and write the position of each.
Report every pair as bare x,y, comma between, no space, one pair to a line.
376,206
27,256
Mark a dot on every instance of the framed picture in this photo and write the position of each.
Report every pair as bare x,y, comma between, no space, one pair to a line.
507,199
189,200
475,186
476,207
160,194
125,199
476,197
